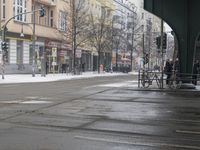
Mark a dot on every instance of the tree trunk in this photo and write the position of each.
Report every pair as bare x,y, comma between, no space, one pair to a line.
98,63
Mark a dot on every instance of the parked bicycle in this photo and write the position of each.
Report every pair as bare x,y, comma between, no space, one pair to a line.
148,77
175,80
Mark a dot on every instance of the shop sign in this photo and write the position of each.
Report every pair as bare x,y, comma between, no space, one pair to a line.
54,63
54,52
59,45
78,53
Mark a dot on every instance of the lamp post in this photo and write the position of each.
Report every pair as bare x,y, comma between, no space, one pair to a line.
1,40
33,42
42,13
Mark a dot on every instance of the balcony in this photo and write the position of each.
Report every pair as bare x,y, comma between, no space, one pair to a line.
107,4
47,2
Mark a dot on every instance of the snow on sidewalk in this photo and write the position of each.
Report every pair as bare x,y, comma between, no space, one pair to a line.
27,78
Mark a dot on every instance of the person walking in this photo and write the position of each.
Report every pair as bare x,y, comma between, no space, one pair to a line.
195,72
168,70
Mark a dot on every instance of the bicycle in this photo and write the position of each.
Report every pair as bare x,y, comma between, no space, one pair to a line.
148,78
175,80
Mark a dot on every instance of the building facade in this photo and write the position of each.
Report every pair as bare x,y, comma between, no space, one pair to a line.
124,25
51,49
89,54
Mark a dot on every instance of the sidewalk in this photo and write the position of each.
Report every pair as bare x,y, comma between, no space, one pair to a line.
27,78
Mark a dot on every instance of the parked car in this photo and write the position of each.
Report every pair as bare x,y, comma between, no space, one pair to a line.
122,68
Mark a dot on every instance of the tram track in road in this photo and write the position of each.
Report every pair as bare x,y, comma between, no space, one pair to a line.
46,107
106,115
123,138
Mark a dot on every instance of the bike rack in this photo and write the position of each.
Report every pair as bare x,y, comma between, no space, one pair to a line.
174,82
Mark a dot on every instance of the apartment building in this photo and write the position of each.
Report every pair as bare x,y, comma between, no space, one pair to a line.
95,8
52,49
124,23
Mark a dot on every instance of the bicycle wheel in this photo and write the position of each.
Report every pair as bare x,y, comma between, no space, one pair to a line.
159,82
145,81
174,84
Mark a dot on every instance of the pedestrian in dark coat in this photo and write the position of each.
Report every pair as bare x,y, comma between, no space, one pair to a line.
168,68
195,72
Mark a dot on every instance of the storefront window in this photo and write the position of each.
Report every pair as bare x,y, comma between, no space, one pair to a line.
19,52
39,52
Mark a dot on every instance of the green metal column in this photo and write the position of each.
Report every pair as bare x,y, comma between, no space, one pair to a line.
182,16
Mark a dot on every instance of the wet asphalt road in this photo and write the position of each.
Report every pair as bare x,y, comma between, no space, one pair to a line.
103,113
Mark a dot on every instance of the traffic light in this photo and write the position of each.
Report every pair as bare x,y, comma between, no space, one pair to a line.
158,41
42,12
4,46
164,41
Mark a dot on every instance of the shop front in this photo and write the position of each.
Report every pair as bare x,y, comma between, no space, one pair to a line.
58,57
86,61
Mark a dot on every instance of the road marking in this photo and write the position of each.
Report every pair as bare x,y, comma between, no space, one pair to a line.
152,144
120,84
11,102
36,102
25,102
187,132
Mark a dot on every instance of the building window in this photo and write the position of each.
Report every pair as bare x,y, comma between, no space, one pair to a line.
19,52
19,6
4,10
62,21
51,18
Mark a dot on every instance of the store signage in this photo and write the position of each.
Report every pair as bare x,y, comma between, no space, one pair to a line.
59,45
78,53
54,52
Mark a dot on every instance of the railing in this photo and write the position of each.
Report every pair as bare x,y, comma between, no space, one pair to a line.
174,79
146,78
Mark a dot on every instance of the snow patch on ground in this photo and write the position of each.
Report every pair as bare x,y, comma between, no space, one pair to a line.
27,78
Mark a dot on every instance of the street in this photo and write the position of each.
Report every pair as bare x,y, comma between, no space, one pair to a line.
102,113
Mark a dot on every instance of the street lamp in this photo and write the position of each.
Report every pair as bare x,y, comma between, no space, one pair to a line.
22,31
42,13
33,44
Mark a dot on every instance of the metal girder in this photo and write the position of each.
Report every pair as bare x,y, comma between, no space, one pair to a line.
182,16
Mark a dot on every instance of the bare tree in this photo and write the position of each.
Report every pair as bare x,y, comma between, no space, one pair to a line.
77,22
100,38
119,37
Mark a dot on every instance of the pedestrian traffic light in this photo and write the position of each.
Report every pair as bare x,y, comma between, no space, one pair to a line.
42,12
4,46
